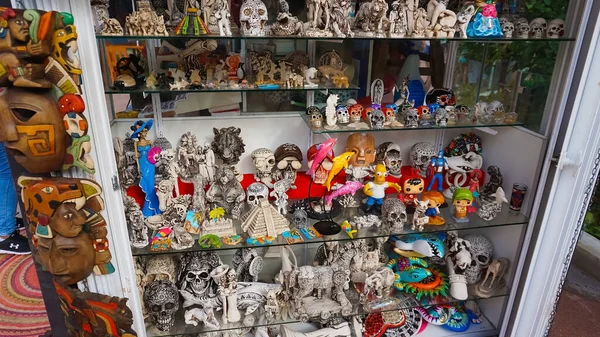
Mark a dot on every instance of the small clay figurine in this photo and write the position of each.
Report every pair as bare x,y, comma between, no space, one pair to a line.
412,185
145,166
279,192
493,184
393,214
330,113
309,75
375,190
226,280
420,218
228,145
434,201
439,165
462,198
370,18
227,192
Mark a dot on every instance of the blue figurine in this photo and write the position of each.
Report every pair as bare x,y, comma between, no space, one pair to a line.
485,23
439,164
142,149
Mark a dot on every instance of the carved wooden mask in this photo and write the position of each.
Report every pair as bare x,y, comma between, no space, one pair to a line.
363,146
70,260
32,129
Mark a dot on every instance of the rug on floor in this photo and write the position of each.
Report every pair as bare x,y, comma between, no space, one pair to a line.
22,310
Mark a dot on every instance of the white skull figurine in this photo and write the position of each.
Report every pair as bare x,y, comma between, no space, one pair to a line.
343,116
411,118
556,29
377,119
264,161
300,218
253,18
508,28
481,252
391,155
523,29
316,119
538,28
420,156
256,192
441,117
393,214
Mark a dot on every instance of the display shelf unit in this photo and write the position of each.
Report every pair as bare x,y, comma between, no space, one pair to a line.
504,218
332,38
406,302
144,90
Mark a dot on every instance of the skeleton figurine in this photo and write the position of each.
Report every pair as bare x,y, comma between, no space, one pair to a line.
227,192
391,155
253,18
330,113
507,28
420,156
247,264
195,284
138,232
272,306
393,214
162,301
481,253
226,280
255,193
280,189
172,168
188,156
397,21
419,218
264,162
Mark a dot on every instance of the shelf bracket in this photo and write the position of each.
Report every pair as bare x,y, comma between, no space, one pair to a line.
567,159
487,130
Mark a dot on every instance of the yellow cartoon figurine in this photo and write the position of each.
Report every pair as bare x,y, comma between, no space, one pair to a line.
462,199
375,190
434,200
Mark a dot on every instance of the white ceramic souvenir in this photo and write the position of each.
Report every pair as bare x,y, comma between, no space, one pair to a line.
481,253
253,18
494,278
556,29
138,232
227,192
264,162
264,220
538,28
507,28
523,30
280,189
194,281
397,19
197,316
255,193
463,18
330,114
226,280
222,15
371,18
309,75
286,23
144,21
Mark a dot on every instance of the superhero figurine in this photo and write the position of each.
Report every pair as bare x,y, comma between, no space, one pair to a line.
412,185
375,190
439,164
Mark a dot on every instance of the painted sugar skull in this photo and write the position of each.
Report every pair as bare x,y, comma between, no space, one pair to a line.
256,192
538,28
343,116
228,145
32,129
556,29
424,112
377,120
420,156
162,301
323,170
411,118
391,155
312,109
253,18
441,96
390,114
356,111
363,146
481,252
393,214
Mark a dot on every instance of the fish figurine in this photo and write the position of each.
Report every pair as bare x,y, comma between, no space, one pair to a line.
322,150
349,187
340,162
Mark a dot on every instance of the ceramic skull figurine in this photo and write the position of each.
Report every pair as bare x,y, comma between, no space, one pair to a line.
323,169
441,117
393,214
356,111
160,267
556,29
377,119
538,28
391,155
507,28
264,162
343,116
300,218
523,30
162,301
481,252
420,157
288,158
253,18
256,192
316,119
411,118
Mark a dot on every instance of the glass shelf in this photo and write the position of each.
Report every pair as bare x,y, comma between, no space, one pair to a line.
144,90
406,302
504,218
295,37
346,128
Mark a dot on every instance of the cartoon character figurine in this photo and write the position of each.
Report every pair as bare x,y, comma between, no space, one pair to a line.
412,185
434,200
462,199
439,164
375,190
474,188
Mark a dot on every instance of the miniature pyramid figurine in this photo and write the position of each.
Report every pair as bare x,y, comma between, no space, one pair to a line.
192,24
264,220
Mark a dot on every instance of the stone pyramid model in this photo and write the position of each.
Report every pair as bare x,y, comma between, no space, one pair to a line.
264,220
